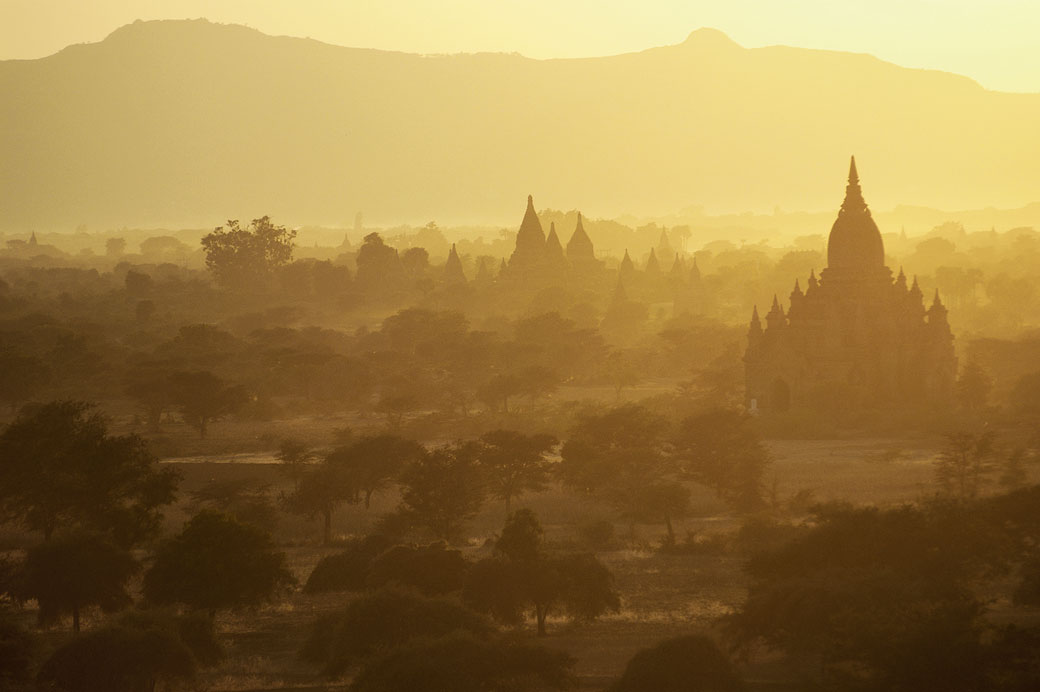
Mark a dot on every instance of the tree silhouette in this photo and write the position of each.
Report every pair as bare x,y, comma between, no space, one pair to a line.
378,264
692,663
522,575
151,388
202,398
719,450
621,457
216,562
119,658
243,498
886,593
246,258
59,466
320,492
294,455
431,570
74,571
347,570
514,463
384,620
965,462
443,489
373,462
973,387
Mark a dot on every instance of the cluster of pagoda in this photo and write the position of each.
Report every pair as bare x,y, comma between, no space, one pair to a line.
540,257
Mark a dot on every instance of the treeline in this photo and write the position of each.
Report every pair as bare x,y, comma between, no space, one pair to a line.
933,595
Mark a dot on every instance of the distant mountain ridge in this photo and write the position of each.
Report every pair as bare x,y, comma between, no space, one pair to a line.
187,123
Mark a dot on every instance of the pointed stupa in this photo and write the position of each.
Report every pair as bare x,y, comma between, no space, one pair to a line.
32,239
755,328
678,270
915,290
627,266
814,283
453,268
653,267
855,242
579,247
530,239
776,318
937,314
553,248
695,272
797,290
901,280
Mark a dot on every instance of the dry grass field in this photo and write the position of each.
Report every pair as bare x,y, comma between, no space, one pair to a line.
663,594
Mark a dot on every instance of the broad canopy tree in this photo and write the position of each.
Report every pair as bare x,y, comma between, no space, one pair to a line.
515,463
622,456
442,490
60,467
719,450
202,398
351,474
246,258
523,575
74,571
216,562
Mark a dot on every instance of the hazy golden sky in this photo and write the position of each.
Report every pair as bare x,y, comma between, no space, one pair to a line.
993,41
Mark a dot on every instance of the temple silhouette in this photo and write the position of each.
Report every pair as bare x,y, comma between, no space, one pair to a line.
536,254
855,338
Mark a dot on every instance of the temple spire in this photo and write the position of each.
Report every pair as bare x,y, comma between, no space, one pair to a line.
453,267
776,318
854,202
627,266
652,265
530,240
553,248
755,328
579,247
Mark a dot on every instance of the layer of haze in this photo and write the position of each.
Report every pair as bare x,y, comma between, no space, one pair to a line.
993,42
188,123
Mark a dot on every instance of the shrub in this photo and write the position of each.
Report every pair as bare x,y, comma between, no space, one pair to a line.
382,621
348,570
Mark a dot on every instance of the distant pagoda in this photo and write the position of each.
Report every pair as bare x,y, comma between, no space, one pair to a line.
530,242
539,257
855,338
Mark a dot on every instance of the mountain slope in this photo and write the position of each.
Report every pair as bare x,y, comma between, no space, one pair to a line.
189,123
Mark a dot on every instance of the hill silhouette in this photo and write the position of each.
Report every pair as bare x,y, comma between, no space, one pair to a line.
189,123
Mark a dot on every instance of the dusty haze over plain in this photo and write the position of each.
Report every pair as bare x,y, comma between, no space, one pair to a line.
181,123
